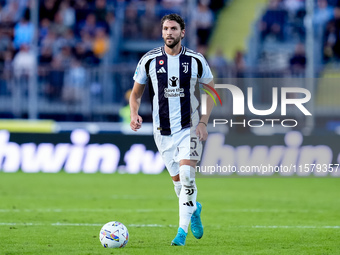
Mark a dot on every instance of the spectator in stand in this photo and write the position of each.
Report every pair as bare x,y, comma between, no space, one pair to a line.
131,23
5,41
7,66
329,41
48,9
10,13
90,25
336,47
101,14
45,59
46,56
293,6
296,10
67,13
23,33
171,6
148,21
87,47
86,39
239,64
204,20
100,11
85,56
65,57
6,33
82,9
110,20
331,46
23,61
297,62
58,25
124,112
323,13
74,84
68,38
44,28
219,64
55,80
273,21
100,43
49,41
79,51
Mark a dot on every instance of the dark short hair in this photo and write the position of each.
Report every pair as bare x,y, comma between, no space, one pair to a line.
174,17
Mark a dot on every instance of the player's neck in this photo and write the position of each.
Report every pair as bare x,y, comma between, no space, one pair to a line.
173,51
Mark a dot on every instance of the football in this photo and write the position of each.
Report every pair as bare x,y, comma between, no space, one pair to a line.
114,235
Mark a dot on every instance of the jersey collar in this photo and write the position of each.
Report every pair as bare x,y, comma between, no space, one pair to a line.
183,50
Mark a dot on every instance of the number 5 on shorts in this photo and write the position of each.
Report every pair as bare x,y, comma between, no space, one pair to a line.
193,141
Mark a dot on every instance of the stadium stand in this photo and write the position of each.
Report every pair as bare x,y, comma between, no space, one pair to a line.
94,46
283,52
91,46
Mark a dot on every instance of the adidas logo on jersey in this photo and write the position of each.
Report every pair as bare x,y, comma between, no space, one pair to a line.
193,154
190,203
161,70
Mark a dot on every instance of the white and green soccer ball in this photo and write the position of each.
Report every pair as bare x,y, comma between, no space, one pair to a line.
114,235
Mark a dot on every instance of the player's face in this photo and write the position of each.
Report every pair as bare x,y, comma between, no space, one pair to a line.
172,33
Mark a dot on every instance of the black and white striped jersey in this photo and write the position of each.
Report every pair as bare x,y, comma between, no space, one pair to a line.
172,82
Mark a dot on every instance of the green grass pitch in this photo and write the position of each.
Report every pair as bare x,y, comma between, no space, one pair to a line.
63,213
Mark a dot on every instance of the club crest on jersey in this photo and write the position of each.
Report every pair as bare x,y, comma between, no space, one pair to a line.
173,81
186,67
161,62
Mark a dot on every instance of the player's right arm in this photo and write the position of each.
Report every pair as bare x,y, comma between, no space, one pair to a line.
140,78
135,100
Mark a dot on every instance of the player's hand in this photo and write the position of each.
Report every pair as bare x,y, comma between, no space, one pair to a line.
201,132
136,122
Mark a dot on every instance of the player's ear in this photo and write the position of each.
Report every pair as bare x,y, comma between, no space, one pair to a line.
182,33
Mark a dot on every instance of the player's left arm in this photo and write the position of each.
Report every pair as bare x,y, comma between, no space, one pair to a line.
201,129
206,78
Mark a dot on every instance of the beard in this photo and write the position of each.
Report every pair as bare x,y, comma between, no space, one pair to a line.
174,42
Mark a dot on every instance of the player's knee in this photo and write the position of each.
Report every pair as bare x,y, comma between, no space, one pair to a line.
187,175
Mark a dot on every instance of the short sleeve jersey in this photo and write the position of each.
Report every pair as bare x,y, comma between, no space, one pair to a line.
172,81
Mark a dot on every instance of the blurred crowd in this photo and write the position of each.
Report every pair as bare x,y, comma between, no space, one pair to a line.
67,29
283,20
72,34
79,29
142,18
281,29
75,34
77,40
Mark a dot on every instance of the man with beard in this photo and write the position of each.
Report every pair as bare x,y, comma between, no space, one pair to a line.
173,73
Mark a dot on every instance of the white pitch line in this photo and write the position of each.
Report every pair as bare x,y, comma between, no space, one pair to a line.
56,210
100,224
256,210
158,225
247,210
332,227
80,224
151,225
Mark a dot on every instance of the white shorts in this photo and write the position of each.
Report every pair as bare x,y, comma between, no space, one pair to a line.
178,146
